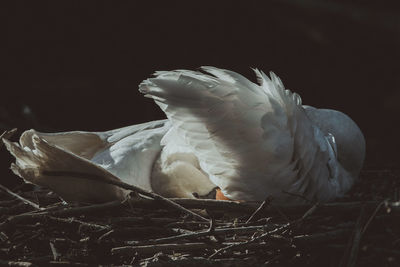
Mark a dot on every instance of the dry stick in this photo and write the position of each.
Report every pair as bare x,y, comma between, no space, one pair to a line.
67,264
184,247
151,249
282,228
17,263
103,236
198,261
211,228
48,209
54,251
212,225
29,216
244,244
136,231
194,223
34,205
309,212
318,238
218,231
126,186
165,248
87,209
350,257
72,220
373,216
146,220
249,207
258,210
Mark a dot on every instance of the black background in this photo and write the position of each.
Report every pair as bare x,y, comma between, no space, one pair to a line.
70,65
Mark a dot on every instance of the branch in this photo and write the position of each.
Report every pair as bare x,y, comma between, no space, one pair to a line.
117,182
217,231
8,191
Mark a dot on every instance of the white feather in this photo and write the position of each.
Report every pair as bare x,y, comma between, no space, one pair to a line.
128,153
252,140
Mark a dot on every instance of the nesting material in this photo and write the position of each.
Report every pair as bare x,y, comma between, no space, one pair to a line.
361,229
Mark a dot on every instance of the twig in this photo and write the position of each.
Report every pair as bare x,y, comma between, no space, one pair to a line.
259,209
249,207
350,257
67,264
211,229
15,209
244,244
29,217
105,235
197,261
372,216
217,231
54,251
73,211
309,212
151,249
146,220
136,232
77,222
274,231
117,182
314,239
34,205
17,263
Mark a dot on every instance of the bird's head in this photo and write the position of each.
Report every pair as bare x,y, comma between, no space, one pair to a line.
350,141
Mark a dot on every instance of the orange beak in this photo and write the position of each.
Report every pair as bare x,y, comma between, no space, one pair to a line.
220,196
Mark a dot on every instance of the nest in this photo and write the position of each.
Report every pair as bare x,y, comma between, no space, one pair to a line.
38,229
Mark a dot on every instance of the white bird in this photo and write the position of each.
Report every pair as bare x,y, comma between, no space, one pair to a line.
250,140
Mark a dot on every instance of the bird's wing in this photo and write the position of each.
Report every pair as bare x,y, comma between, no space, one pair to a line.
128,153
132,151
253,140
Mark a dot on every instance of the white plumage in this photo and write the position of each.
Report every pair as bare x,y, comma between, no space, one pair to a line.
251,140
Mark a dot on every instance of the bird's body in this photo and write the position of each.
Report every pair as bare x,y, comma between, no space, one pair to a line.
253,141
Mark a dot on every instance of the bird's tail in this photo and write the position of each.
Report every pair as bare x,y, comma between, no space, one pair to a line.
71,175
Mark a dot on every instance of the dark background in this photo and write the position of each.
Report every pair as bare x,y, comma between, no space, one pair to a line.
69,65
